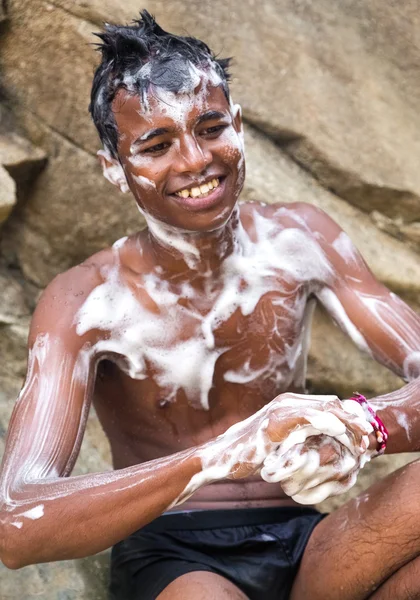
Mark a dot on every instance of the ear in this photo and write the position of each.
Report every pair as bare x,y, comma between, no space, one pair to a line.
112,170
237,118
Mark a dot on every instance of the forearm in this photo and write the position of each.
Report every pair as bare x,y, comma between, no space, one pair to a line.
400,412
66,518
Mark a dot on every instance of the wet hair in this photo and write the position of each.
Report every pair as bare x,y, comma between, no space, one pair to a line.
136,56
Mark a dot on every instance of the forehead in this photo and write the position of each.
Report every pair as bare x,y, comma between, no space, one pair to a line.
166,109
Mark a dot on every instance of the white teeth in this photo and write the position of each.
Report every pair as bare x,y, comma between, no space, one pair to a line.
199,191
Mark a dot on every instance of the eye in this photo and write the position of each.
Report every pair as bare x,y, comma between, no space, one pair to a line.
213,131
156,149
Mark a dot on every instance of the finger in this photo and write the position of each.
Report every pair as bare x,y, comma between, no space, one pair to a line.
324,491
335,472
354,414
317,398
302,465
330,451
355,408
354,421
280,425
303,477
355,438
278,466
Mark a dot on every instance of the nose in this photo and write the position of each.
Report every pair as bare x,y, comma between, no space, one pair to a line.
193,157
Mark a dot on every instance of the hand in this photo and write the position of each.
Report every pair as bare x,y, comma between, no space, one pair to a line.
322,465
268,440
314,470
273,439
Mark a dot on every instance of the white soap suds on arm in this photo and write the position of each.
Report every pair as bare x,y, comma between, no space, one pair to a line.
300,472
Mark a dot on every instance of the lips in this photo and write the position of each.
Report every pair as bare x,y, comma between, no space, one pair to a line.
201,202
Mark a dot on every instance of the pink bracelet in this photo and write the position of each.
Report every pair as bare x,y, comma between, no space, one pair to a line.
379,428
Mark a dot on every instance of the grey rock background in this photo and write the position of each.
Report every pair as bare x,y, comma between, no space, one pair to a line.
330,92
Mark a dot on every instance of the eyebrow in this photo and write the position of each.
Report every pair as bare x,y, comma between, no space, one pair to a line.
208,116
154,133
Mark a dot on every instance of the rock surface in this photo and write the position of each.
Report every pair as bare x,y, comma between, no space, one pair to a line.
7,194
332,117
20,162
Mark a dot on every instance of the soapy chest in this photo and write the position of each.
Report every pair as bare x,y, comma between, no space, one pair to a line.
191,392
247,330
188,346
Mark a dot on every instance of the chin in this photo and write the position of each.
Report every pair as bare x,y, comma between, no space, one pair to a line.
207,221
198,218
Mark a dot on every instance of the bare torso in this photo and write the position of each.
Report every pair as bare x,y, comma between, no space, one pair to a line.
174,354
184,359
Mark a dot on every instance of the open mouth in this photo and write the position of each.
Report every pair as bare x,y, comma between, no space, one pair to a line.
203,196
200,191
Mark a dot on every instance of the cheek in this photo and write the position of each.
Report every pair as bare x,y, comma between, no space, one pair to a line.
145,192
232,147
233,153
140,175
143,186
145,172
140,161
234,158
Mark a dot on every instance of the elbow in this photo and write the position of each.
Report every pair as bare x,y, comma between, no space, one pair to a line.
7,557
10,545
11,552
11,562
8,554
14,552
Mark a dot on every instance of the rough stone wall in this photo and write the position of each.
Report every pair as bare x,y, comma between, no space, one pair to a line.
330,92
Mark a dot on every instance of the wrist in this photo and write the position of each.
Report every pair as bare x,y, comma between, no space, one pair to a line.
401,426
380,432
197,471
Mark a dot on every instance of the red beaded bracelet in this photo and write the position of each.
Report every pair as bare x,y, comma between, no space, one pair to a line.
379,428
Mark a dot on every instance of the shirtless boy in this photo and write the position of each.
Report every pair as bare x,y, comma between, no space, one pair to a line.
191,339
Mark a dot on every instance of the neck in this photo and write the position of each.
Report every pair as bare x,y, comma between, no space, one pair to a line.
179,251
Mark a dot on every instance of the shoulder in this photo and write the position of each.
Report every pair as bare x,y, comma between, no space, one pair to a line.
278,210
66,293
306,216
307,233
295,215
343,257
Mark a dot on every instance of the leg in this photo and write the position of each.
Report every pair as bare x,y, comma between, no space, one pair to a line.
201,585
403,585
367,543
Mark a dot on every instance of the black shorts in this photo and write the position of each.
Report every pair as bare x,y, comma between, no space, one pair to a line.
258,549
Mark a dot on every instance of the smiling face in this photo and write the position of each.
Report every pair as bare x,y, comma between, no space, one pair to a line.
181,156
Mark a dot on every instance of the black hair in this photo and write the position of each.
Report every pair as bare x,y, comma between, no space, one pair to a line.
126,49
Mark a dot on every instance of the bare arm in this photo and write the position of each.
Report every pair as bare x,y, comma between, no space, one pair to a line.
379,323
45,515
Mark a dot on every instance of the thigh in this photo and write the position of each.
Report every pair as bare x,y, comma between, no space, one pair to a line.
403,585
354,550
201,585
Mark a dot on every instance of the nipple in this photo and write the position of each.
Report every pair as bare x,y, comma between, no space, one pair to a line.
163,403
